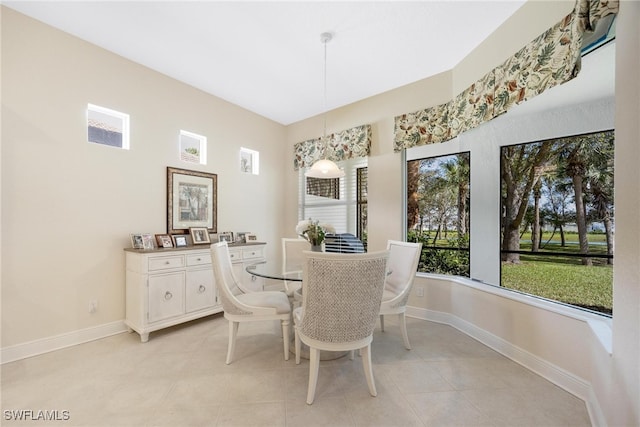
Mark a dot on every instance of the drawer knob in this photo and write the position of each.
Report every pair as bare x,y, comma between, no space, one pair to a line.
168,296
202,288
198,259
167,262
254,278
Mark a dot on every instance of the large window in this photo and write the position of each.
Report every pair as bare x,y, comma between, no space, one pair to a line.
557,222
339,202
438,190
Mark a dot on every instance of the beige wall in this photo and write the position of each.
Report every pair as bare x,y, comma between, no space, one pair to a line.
68,206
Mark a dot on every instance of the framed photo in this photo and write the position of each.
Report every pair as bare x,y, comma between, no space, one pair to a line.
249,237
241,236
225,237
192,201
200,235
180,240
164,241
142,241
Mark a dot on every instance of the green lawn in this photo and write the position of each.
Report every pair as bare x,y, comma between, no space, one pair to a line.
563,280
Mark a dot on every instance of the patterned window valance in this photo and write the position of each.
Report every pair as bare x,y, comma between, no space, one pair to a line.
348,144
551,59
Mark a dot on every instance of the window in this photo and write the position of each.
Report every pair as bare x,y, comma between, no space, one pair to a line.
340,202
249,161
557,220
107,127
193,148
438,190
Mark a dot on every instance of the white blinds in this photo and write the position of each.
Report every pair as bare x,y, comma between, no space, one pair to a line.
341,213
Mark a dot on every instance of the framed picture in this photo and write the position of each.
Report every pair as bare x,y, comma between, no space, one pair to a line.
180,240
142,241
225,237
200,235
250,237
164,241
192,201
240,236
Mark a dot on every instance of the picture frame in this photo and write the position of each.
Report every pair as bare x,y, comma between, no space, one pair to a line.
240,236
164,241
192,200
250,237
180,240
142,241
200,235
225,237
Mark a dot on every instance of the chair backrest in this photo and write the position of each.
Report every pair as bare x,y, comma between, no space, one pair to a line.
402,265
226,281
342,295
292,257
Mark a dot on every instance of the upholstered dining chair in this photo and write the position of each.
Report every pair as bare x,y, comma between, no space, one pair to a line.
246,307
402,266
341,295
292,260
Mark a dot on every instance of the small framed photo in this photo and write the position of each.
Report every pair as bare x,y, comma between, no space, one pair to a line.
180,240
225,237
164,241
240,236
142,241
249,237
200,235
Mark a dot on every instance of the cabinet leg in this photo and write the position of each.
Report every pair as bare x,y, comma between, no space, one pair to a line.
144,337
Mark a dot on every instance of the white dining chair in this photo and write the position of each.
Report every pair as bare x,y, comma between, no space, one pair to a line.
402,266
292,260
341,295
246,307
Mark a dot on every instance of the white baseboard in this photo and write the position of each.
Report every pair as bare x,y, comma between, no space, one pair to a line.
45,345
560,377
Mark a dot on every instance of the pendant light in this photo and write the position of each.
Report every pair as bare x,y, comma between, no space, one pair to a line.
325,168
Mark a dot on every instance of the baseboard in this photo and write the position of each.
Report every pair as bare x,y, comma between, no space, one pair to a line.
560,377
45,345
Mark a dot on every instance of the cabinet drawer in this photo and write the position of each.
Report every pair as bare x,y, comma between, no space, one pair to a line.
163,263
235,255
252,253
198,259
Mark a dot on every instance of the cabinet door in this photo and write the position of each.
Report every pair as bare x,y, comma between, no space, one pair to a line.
200,290
166,296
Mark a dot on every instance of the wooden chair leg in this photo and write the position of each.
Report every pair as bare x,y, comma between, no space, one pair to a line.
314,366
403,328
297,344
368,371
285,337
231,347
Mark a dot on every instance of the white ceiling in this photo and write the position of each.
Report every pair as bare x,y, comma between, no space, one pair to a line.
267,56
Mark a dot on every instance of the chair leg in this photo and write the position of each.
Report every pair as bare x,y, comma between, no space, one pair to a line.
297,343
403,328
233,332
285,338
314,366
368,371
382,322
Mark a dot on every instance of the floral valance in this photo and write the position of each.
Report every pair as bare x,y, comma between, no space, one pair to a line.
551,59
348,144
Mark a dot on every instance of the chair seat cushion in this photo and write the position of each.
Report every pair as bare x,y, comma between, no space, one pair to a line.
388,295
274,299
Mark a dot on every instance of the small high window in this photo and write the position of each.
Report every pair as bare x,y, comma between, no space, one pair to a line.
249,161
193,148
107,127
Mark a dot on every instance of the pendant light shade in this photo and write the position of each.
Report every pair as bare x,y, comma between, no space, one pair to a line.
325,168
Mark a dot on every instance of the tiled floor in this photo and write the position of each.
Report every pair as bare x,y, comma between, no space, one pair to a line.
179,378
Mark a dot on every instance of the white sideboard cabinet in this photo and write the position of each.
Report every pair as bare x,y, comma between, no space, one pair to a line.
165,287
